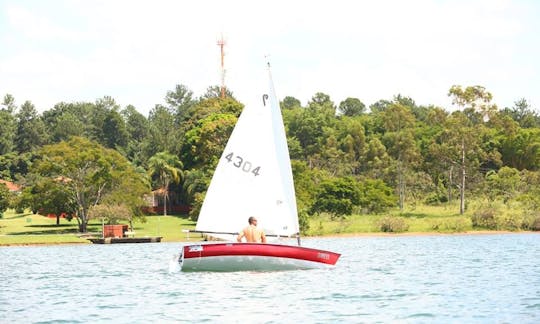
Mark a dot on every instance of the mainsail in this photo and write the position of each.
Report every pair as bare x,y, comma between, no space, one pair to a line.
253,176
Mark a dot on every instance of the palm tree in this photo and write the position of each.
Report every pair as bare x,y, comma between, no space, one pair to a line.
167,167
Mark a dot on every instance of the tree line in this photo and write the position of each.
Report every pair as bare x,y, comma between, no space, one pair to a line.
347,158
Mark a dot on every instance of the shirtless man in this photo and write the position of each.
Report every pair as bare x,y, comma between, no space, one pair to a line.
252,233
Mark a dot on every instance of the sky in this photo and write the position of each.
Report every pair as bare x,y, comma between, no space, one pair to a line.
135,51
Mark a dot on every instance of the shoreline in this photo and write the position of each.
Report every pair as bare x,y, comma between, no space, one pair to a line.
390,234
337,235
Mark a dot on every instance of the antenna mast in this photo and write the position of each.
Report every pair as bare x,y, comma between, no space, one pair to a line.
221,44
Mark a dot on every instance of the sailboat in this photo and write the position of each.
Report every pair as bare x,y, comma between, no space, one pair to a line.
253,178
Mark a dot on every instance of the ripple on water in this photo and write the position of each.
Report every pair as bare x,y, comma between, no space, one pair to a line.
410,279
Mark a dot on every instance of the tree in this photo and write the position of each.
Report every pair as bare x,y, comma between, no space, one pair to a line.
337,196
111,213
114,130
31,132
70,119
503,183
475,102
375,196
322,103
399,139
163,135
66,126
137,130
204,143
351,107
8,125
522,150
523,114
4,198
290,103
215,92
99,113
180,102
167,167
49,196
90,172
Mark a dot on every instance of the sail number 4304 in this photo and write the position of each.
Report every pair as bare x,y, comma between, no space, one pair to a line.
242,164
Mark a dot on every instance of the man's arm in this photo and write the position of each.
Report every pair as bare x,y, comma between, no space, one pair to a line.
263,237
240,235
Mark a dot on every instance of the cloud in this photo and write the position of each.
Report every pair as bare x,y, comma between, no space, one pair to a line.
135,51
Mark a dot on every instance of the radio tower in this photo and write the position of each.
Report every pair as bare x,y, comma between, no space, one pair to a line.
221,44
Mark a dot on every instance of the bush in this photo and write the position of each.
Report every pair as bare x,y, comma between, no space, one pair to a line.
303,220
510,222
532,222
484,218
392,224
376,196
536,224
435,199
451,225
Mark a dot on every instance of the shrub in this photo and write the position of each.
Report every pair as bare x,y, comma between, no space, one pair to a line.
532,222
392,224
435,199
510,222
484,218
376,196
536,224
451,225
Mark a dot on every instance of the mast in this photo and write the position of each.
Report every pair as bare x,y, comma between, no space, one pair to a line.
221,44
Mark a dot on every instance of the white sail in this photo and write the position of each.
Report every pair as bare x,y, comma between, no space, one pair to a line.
253,176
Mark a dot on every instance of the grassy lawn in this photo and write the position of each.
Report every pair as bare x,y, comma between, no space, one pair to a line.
36,229
28,228
438,219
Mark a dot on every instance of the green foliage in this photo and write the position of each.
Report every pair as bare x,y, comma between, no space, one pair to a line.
48,196
351,107
205,142
110,213
290,103
494,218
167,168
450,224
336,196
418,152
4,198
8,125
533,221
89,171
485,218
303,220
375,196
503,184
522,150
196,205
31,132
392,224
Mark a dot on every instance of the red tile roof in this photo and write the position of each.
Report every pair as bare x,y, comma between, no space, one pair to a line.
11,186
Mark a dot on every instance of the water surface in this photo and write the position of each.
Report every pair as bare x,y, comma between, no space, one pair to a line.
420,279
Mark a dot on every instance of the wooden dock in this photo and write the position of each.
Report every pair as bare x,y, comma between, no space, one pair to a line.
115,240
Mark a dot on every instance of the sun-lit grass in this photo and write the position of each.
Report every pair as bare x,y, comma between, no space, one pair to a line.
28,228
442,219
36,229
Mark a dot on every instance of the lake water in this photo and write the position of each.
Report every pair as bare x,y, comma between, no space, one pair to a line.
406,279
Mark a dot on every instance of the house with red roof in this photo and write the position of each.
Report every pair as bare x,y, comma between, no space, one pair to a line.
13,187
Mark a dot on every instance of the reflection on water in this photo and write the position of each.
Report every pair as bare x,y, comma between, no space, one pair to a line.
450,278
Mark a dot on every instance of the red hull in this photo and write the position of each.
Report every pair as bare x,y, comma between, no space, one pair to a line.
194,251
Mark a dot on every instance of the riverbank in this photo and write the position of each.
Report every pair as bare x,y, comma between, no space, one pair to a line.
346,235
29,230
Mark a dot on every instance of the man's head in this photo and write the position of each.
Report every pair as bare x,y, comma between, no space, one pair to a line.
252,220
